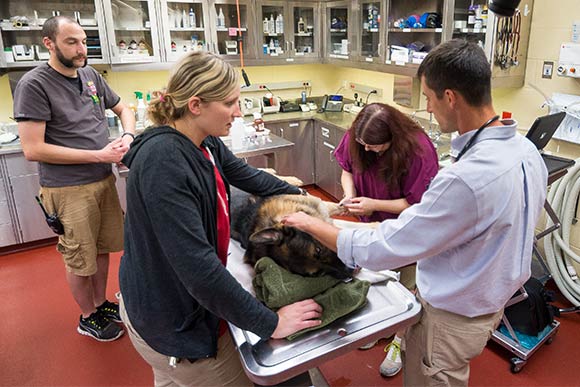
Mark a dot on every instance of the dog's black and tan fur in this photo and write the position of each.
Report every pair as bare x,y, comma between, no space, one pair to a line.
256,224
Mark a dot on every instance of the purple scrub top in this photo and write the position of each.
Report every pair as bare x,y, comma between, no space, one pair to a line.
424,167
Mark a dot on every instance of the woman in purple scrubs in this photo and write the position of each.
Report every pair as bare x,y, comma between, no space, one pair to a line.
387,162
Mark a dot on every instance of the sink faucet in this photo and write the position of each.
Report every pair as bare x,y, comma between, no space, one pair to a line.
434,135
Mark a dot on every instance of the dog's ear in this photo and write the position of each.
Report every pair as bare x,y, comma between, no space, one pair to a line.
270,236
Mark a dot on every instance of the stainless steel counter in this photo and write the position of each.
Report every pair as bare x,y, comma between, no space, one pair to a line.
263,145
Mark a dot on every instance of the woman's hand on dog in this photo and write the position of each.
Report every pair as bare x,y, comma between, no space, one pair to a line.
360,206
297,316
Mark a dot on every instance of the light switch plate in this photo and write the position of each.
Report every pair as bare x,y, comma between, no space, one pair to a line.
547,69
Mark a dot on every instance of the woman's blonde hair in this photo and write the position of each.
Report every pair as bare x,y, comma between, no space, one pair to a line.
200,74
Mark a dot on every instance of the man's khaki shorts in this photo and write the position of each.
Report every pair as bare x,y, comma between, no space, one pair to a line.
93,222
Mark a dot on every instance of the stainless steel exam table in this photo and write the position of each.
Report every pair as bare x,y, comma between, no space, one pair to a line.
390,307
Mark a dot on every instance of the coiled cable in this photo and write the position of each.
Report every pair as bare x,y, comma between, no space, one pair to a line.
563,197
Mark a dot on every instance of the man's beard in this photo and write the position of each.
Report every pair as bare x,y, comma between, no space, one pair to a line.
69,63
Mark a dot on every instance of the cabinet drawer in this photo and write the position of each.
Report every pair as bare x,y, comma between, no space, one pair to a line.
5,213
17,165
7,236
3,195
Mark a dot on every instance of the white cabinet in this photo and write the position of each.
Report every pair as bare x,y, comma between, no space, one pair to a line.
184,28
20,31
132,31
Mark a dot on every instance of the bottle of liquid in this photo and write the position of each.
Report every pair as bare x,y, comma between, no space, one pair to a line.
237,133
279,24
471,16
272,25
184,22
301,26
272,46
258,122
141,108
266,26
484,11
192,21
221,19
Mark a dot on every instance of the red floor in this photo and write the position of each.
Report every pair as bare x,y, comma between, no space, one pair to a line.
39,345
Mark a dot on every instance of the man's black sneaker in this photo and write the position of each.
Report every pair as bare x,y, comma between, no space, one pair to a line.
110,310
99,328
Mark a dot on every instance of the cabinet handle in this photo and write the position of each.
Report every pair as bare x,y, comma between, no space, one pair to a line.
325,132
282,132
329,146
293,124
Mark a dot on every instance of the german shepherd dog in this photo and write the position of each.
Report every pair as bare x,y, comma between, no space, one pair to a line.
256,224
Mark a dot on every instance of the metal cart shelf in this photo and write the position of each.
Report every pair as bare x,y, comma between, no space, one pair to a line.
512,343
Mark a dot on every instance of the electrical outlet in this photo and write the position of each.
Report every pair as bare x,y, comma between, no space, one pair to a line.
547,69
306,84
357,87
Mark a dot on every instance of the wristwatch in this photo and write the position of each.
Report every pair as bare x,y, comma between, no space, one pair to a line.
128,134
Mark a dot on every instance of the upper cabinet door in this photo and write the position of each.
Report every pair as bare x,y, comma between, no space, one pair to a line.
304,29
20,29
274,36
225,39
132,31
371,31
339,29
184,25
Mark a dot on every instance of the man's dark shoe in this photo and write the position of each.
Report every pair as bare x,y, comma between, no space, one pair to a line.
110,310
99,328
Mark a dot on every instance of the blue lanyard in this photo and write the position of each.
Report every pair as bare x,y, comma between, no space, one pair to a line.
471,141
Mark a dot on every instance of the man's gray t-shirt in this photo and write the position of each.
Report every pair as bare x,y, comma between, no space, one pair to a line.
74,119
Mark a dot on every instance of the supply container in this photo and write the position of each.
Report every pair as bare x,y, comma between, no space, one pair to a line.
237,133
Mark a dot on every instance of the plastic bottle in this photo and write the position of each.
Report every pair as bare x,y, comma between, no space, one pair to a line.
184,19
471,16
279,24
301,26
258,122
484,11
272,25
141,107
266,26
192,21
221,19
272,46
237,133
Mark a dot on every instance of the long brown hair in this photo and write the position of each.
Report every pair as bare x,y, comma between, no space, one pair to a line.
377,124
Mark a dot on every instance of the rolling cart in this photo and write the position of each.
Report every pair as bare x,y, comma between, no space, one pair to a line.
511,342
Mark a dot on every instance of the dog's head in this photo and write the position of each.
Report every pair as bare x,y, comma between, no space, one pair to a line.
297,252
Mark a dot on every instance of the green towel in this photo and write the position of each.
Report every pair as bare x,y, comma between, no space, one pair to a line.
276,287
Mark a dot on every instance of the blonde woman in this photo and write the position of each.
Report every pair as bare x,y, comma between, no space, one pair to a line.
176,291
